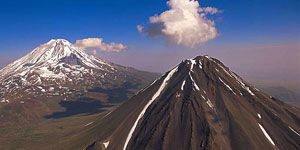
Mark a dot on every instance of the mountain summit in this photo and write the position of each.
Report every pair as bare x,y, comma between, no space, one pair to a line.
200,104
51,54
61,69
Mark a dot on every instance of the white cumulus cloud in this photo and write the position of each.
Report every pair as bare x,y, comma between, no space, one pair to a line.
209,10
98,43
140,28
185,23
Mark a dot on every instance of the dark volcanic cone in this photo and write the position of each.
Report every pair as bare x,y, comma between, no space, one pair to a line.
200,104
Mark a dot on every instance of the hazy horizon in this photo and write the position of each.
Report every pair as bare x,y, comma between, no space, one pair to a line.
282,66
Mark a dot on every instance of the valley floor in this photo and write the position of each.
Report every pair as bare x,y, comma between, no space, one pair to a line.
45,133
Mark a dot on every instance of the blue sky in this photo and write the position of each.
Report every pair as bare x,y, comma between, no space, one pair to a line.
245,29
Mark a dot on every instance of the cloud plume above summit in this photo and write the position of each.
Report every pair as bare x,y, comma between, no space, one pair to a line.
185,23
99,44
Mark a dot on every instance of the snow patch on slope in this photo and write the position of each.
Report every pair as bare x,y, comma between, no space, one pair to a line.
193,62
227,86
106,144
259,116
239,80
294,131
233,75
182,86
4,101
266,134
200,64
194,83
161,88
89,123
208,102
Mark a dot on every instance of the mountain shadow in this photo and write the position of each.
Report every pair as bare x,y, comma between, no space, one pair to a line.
88,106
117,94
82,106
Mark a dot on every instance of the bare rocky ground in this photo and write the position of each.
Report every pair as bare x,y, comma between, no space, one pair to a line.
199,104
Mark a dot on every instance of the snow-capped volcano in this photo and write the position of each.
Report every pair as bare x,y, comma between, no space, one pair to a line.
53,53
57,68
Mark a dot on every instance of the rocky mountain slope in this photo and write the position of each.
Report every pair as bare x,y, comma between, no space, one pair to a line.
199,104
58,80
58,69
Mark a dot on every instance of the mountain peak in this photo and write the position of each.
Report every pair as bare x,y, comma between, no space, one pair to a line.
202,58
202,104
60,65
52,54
199,62
59,41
